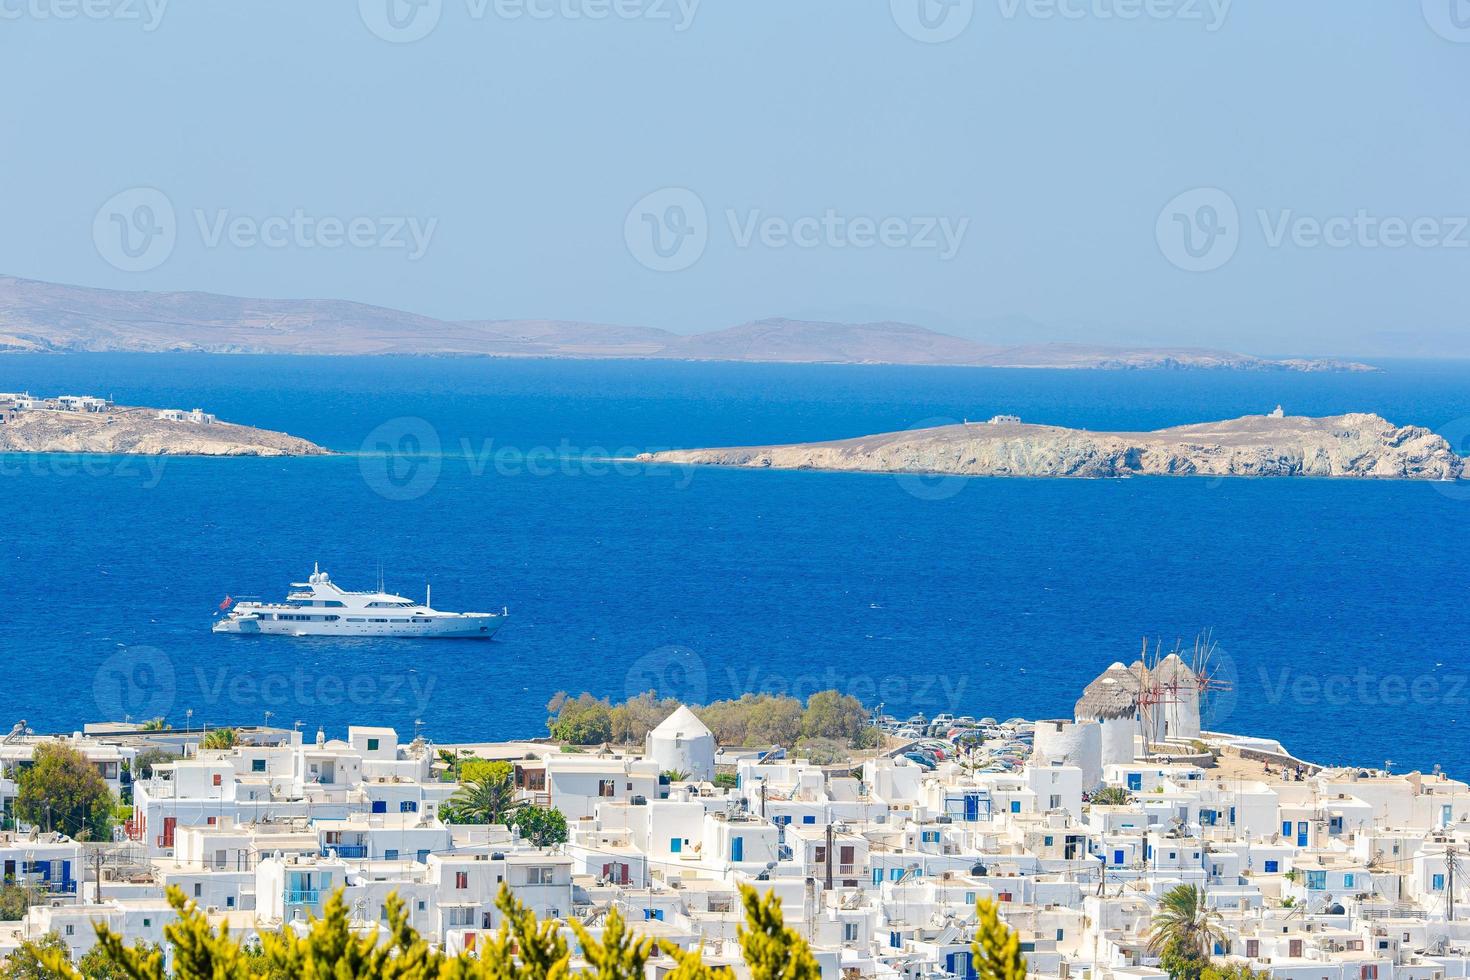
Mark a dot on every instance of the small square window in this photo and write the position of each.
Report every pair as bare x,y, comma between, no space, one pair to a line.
257,765
372,745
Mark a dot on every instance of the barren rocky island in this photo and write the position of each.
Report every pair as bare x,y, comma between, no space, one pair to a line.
92,425
1353,445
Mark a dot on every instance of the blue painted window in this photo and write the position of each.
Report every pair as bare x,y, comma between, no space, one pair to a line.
1048,841
408,806
1347,881
380,806
895,939
808,818
1118,857
737,848
1286,828
676,844
1438,883
1316,880
1272,867
654,914
423,855
1135,780
390,854
877,876
1015,806
895,873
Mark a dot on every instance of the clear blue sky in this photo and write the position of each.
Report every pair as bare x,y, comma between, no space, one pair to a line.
1048,137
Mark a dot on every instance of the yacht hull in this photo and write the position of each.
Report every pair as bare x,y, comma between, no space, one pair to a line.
456,628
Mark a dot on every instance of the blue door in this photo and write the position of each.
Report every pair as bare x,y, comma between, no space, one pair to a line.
960,965
1117,857
1286,828
1301,833
737,848
972,806
1135,781
380,806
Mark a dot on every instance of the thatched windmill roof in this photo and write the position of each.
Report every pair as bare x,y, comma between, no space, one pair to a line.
1172,670
1114,694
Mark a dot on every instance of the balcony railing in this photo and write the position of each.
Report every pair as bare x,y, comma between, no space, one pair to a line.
345,850
303,896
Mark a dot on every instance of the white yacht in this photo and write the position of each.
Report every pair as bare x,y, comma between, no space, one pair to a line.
318,607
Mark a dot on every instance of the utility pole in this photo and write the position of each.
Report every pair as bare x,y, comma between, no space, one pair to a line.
97,873
1449,854
829,855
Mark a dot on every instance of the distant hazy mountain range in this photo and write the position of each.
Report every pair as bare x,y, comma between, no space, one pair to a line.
40,316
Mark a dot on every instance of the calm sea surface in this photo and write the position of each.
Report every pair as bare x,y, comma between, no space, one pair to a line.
1339,607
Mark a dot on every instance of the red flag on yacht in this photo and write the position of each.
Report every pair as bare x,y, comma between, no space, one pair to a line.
226,603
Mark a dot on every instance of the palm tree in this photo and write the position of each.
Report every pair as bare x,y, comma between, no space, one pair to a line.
489,799
1184,922
1111,796
219,738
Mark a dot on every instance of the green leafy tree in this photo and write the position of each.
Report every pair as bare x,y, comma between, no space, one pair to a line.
218,738
583,720
473,770
619,955
1184,931
97,964
822,751
32,958
832,714
1183,961
490,798
523,948
772,951
996,950
63,791
635,718
754,719
1233,970
16,898
143,762
153,725
542,826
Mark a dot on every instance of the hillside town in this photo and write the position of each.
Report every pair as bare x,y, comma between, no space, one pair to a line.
1076,827
13,403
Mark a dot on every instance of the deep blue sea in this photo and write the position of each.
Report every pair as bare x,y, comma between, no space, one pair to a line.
1339,607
